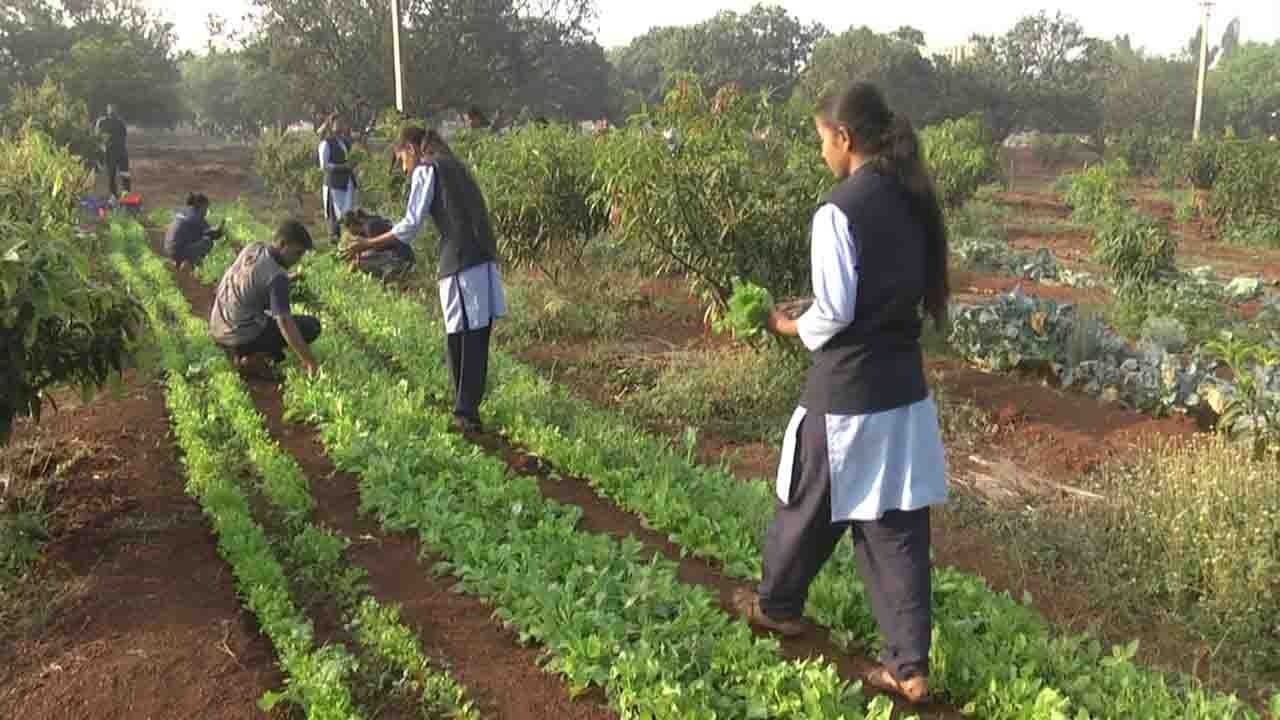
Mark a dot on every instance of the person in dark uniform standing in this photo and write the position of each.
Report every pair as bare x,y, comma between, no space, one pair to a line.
471,292
863,451
115,152
339,191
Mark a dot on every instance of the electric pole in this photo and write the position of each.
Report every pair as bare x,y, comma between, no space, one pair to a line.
400,78
1204,61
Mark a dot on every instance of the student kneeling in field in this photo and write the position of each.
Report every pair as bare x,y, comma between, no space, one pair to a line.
251,315
189,237
393,259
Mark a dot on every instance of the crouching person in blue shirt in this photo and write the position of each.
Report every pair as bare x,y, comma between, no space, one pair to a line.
251,315
393,260
189,238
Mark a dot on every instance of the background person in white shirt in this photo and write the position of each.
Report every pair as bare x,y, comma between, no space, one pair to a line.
471,293
339,191
863,451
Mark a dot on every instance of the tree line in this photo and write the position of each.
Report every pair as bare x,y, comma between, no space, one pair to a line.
525,59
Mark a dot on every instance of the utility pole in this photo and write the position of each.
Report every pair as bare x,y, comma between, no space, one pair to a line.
400,77
1204,61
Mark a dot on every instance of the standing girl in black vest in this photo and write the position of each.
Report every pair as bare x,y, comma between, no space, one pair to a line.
339,192
863,451
471,293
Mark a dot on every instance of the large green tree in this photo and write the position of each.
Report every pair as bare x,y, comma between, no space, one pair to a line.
1246,89
226,93
32,33
494,53
893,62
763,48
1045,74
100,51
1149,93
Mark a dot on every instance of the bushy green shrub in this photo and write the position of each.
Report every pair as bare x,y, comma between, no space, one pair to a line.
63,318
1247,182
1200,162
289,163
538,182
49,109
692,196
1140,148
1135,248
962,157
1096,191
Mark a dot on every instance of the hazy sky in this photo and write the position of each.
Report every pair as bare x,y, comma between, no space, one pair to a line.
1160,25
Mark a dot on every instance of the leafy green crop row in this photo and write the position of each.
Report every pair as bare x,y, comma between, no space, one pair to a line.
317,676
229,412
608,613
995,656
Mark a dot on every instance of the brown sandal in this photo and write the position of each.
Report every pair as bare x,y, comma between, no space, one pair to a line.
747,604
914,689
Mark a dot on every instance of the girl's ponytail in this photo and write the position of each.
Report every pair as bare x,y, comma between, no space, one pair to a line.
902,156
891,140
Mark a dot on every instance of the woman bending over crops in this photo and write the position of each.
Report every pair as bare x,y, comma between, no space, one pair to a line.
392,261
189,237
863,451
471,293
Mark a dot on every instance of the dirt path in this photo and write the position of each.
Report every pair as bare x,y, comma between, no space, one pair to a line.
142,616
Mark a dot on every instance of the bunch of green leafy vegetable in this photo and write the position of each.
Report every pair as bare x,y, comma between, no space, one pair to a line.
748,313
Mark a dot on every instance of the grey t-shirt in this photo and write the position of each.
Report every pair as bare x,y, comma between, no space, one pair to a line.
253,285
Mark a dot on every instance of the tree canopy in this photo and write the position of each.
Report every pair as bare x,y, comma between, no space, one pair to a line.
99,51
1044,73
764,48
893,62
1246,89
500,54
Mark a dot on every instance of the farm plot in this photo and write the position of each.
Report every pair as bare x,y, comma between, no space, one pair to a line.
218,428
647,477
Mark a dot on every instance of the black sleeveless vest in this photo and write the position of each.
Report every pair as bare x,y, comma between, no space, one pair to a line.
876,363
465,241
337,179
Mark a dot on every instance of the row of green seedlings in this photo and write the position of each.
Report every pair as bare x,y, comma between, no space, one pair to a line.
215,420
995,656
609,612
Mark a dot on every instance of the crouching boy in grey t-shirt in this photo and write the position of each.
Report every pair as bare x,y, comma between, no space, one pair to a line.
251,315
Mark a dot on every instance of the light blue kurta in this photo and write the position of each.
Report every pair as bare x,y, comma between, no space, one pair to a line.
477,290
889,460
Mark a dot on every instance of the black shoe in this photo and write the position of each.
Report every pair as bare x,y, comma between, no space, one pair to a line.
467,425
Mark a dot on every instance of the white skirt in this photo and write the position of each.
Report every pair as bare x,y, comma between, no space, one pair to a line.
890,460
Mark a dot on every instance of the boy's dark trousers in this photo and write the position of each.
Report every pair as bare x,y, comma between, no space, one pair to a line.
272,342
117,166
